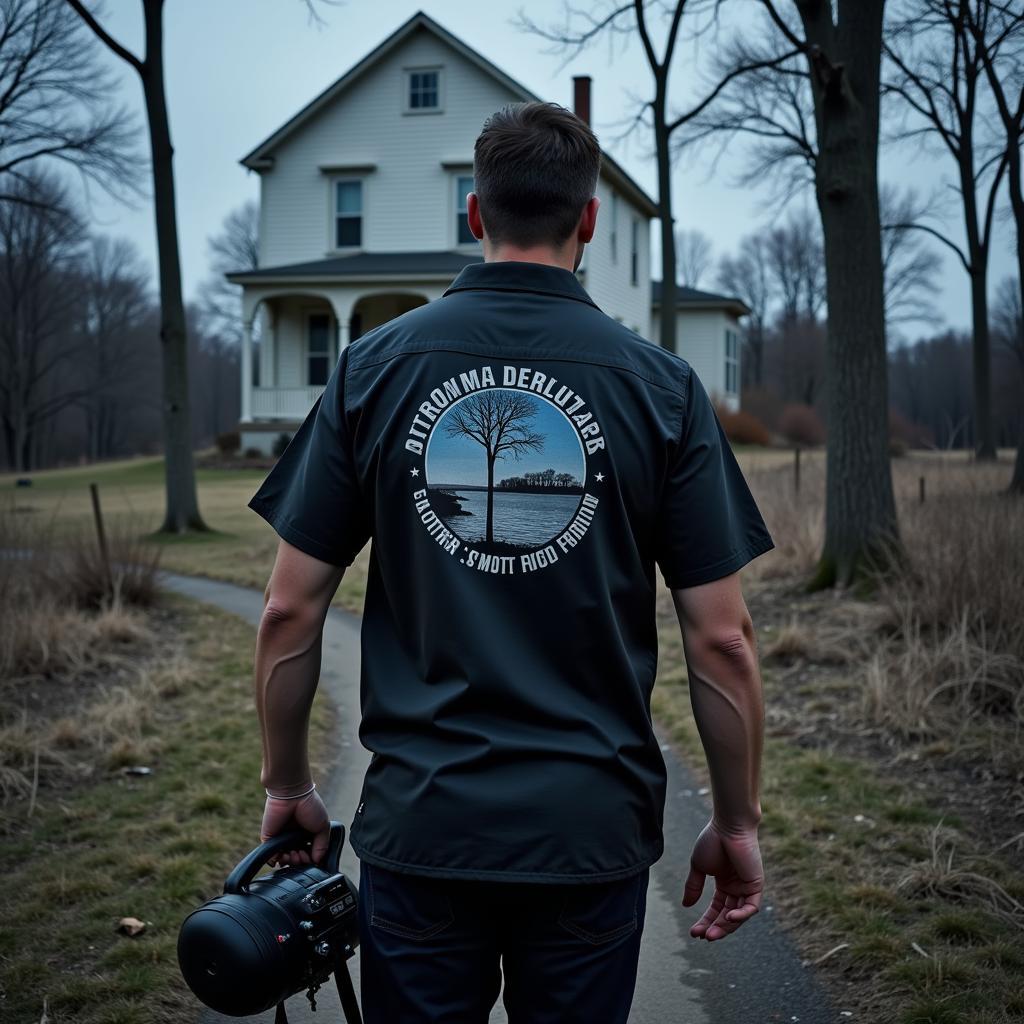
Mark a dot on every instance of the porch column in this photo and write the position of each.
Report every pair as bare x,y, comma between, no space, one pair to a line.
246,371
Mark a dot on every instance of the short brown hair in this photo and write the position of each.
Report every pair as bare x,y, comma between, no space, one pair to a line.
535,167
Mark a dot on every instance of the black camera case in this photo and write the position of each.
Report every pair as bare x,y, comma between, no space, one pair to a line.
267,938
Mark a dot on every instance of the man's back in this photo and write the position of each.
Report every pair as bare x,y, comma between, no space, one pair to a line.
523,464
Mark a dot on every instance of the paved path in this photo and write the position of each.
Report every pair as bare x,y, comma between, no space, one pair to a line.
751,977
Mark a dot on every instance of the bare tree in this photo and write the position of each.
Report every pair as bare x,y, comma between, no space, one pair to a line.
797,264
182,502
234,248
581,26
747,276
937,70
812,108
55,105
998,33
115,305
908,265
499,421
694,249
40,246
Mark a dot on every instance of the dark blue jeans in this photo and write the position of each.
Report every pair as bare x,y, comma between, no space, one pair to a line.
430,949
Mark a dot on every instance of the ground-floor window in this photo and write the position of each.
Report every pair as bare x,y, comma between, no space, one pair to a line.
318,348
732,362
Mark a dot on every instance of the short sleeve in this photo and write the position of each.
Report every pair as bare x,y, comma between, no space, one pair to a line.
311,496
708,524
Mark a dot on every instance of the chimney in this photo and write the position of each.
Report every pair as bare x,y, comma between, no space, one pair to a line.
581,97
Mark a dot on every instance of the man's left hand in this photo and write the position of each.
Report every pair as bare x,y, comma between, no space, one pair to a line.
309,813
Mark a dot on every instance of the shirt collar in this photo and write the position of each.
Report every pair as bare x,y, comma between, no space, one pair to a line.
517,276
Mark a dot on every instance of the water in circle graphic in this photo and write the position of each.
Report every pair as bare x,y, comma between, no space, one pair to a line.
505,470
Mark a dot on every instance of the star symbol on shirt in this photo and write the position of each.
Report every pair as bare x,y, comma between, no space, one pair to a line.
414,471
599,477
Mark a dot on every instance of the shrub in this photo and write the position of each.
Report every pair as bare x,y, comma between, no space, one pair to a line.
904,433
229,442
766,405
252,453
801,424
280,443
743,427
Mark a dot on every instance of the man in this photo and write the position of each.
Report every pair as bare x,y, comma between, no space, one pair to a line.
522,462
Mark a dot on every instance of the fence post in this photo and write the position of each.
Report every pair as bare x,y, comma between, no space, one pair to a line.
920,490
101,536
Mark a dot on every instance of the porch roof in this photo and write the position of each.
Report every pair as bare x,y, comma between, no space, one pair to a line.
362,265
694,298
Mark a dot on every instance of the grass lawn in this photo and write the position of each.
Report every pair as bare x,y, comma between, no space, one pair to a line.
110,845
891,880
239,547
885,891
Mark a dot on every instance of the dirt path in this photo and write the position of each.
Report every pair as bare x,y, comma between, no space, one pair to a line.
754,976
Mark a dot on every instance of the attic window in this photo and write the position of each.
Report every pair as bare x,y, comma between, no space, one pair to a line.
422,90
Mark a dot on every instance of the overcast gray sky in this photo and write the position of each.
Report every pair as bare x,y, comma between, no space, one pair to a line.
237,69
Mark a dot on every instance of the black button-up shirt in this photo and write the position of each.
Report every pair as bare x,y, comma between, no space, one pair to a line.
522,462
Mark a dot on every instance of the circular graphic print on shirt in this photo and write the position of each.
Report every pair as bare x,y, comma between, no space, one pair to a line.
505,470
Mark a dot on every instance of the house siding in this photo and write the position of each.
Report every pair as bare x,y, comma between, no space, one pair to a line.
700,340
409,200
608,277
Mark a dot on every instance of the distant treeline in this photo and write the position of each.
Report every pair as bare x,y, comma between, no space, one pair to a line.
80,341
545,480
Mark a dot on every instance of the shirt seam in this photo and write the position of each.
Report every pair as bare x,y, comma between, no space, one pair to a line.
532,291
526,355
754,548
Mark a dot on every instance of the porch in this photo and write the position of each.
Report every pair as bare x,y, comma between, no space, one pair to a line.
298,319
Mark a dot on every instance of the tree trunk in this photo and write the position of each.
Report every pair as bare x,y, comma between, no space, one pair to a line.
981,359
667,319
1017,206
490,498
182,508
984,431
860,519
1017,483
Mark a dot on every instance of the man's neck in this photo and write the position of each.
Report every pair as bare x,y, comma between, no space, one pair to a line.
563,258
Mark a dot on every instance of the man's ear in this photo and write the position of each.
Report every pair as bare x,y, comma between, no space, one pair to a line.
476,225
588,220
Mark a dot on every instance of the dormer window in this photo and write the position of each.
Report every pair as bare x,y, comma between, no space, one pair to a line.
422,90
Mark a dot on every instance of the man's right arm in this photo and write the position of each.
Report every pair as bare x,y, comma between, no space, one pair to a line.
728,708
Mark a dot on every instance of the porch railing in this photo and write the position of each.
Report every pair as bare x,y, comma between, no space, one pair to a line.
284,403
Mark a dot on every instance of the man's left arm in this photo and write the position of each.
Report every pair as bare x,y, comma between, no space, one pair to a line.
287,671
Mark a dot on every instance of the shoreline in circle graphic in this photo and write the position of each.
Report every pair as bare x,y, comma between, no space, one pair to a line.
505,470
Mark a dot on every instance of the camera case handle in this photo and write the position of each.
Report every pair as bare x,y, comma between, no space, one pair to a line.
294,839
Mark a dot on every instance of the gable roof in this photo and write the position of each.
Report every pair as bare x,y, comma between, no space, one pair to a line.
261,157
693,298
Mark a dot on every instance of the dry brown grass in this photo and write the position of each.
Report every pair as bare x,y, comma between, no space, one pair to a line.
942,645
938,877
75,686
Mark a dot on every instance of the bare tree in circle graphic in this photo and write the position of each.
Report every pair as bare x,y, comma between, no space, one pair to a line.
499,421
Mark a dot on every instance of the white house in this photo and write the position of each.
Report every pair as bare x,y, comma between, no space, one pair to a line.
362,216
707,337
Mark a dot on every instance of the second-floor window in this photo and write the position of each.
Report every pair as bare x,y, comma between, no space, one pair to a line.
732,362
423,90
634,251
463,186
348,214
318,349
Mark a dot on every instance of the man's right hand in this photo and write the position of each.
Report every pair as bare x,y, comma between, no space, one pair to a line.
733,859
